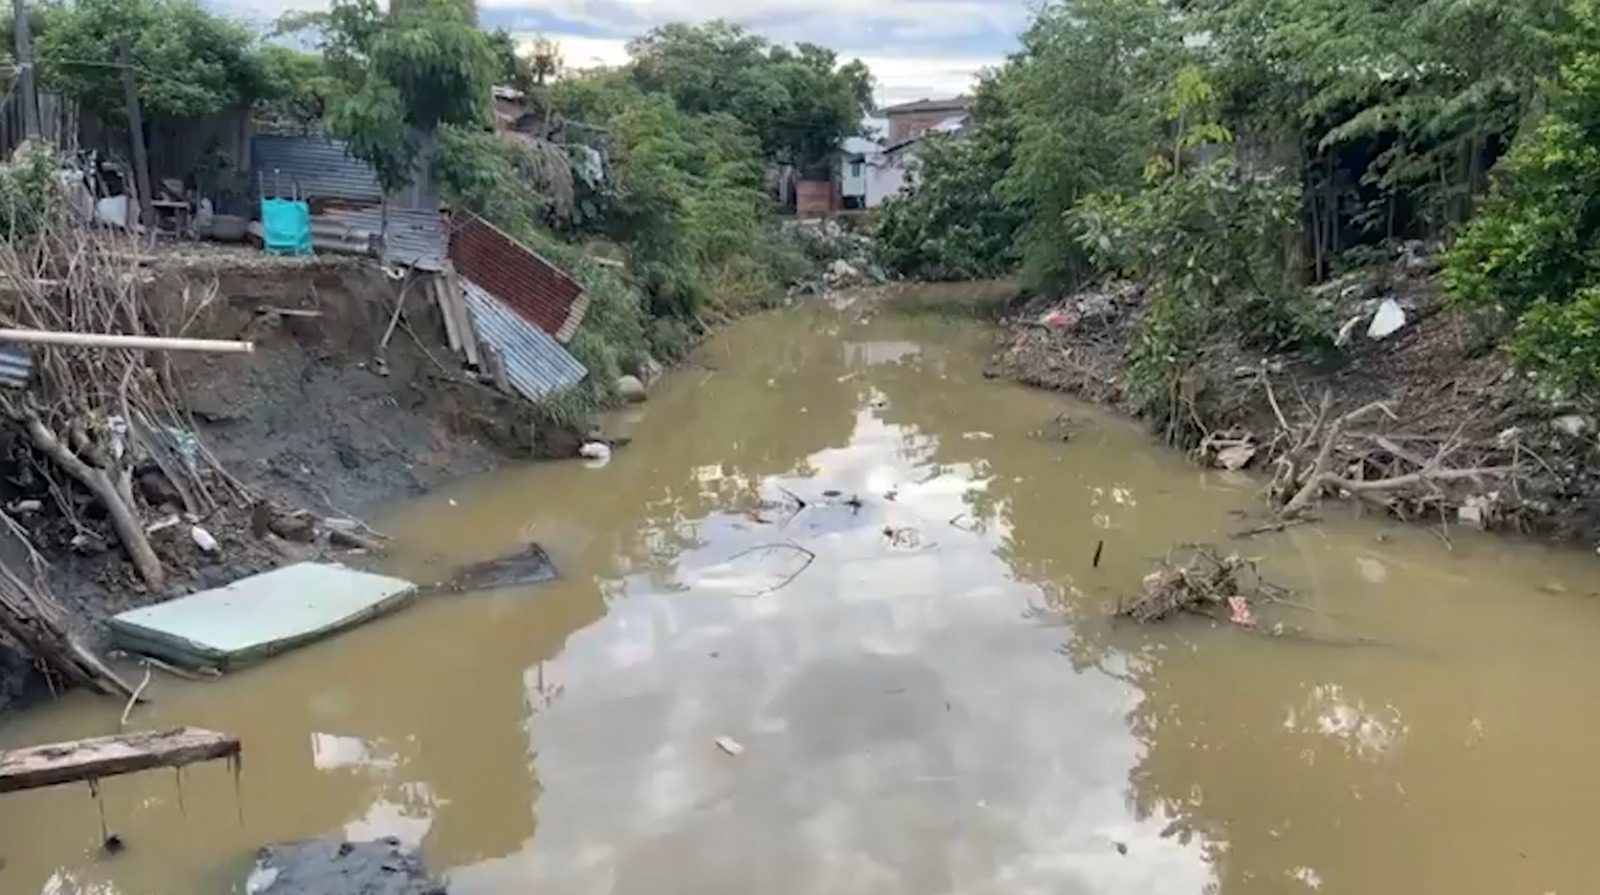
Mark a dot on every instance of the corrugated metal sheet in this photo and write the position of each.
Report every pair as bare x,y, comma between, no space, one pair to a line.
535,289
415,236
318,167
16,366
535,362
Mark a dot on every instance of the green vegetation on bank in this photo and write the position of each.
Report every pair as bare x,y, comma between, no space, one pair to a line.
1231,152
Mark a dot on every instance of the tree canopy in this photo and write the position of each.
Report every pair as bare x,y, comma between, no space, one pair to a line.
401,76
189,61
796,101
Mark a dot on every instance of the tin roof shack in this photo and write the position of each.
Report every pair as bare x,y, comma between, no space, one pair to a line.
349,212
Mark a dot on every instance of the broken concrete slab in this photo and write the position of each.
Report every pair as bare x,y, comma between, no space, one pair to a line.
322,867
259,616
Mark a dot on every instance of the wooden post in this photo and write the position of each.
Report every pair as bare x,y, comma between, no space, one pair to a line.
25,79
110,756
141,158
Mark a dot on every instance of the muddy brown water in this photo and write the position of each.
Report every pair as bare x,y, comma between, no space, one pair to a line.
935,703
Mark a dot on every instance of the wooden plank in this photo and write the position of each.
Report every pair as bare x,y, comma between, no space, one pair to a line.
101,757
441,298
469,334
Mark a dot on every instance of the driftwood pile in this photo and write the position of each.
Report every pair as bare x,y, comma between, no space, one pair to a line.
106,422
1208,583
1367,453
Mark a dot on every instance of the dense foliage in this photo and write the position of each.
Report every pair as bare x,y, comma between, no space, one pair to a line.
397,78
1533,252
796,101
190,62
1242,147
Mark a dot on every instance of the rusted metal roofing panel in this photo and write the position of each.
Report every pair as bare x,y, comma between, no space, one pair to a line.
536,364
535,289
415,237
317,166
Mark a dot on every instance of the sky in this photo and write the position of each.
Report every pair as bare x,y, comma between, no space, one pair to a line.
915,48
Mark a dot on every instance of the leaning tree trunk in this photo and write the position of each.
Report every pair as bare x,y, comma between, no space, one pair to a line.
32,620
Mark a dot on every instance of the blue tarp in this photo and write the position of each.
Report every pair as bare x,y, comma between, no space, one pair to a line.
286,227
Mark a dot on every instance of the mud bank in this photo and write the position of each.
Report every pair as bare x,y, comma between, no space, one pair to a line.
322,417
1445,405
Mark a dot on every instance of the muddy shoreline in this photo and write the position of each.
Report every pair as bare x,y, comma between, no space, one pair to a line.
1442,395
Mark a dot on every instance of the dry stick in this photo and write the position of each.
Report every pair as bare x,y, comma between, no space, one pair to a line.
1330,441
786,545
1416,478
399,308
134,699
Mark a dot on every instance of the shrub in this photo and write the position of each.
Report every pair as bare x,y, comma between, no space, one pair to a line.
1560,344
1537,239
1209,243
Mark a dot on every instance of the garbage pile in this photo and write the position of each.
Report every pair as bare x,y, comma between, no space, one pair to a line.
843,254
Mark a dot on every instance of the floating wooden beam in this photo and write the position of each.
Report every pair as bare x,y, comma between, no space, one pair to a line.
113,340
102,757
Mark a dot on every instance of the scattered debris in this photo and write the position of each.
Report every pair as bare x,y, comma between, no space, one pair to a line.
1239,612
1573,425
109,756
204,540
1208,581
594,450
1388,321
730,745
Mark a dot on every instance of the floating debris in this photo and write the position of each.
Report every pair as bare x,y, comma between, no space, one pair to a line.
1208,581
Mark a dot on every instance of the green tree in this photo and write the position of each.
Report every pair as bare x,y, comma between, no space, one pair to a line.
1085,94
953,224
402,76
189,62
797,102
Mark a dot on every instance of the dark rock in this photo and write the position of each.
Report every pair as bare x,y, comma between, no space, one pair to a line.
322,867
157,490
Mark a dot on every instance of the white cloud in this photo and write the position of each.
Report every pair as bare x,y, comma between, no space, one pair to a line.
915,48
900,78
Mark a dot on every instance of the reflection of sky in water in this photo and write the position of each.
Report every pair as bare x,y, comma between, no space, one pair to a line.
906,729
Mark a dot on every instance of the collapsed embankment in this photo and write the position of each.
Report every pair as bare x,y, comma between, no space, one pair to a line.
1426,423
322,421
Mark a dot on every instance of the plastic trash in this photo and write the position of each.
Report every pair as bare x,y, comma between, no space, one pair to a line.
204,540
730,745
1387,321
595,450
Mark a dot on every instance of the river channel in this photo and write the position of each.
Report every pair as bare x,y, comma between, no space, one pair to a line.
919,667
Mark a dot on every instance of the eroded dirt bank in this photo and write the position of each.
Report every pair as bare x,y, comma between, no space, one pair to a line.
1424,423
321,418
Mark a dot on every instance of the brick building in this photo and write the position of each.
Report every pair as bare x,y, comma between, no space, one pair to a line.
908,121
